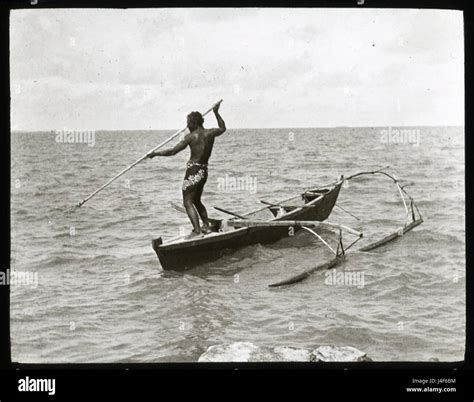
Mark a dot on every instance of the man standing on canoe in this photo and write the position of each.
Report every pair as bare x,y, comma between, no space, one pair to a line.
201,142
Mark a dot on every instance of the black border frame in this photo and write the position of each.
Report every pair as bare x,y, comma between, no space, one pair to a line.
196,381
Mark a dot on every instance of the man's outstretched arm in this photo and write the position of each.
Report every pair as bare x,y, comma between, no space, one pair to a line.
172,151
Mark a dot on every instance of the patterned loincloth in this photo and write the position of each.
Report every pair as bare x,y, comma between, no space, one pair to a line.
195,177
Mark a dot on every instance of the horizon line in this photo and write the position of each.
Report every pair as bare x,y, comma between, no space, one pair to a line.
241,128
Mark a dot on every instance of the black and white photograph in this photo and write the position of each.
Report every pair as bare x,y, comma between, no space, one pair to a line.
213,185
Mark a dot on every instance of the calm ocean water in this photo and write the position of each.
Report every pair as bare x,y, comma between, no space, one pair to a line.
103,297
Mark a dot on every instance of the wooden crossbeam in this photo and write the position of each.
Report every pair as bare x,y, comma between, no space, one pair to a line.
327,225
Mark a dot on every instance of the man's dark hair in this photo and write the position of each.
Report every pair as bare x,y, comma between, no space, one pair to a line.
196,118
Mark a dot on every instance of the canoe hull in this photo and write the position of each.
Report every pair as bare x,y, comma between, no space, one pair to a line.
180,256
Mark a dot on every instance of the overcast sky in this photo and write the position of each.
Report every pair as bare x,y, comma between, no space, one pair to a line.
146,69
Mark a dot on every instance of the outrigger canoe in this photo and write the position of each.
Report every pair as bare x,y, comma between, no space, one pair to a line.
181,253
269,224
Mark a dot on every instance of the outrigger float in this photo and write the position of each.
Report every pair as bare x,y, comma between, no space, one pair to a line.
307,211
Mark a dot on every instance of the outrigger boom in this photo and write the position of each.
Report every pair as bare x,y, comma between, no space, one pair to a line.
296,224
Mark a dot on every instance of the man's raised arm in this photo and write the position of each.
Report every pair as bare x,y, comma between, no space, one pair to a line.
220,121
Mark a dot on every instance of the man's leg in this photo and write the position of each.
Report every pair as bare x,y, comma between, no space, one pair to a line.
188,201
201,208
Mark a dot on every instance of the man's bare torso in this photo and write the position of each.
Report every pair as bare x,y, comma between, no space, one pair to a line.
201,144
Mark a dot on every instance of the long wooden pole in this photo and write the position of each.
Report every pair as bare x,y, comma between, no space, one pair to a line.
229,212
138,161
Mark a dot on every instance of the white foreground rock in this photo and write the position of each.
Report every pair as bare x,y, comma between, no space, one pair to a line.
248,352
329,353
